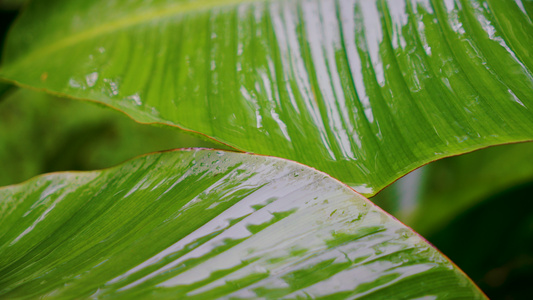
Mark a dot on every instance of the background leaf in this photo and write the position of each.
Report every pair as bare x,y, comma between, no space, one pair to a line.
429,199
12,5
500,232
4,88
364,90
40,133
203,224
7,17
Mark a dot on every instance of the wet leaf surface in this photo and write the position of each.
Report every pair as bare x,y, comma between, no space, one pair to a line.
363,90
205,224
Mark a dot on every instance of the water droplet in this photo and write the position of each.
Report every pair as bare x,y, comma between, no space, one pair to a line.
135,98
91,79
74,84
113,86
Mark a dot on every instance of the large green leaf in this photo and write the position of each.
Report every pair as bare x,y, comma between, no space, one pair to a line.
205,224
365,90
40,133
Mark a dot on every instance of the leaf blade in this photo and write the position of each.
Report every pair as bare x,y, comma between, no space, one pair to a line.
363,90
202,223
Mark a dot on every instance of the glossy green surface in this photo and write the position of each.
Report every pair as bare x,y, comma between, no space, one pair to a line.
363,90
205,224
40,133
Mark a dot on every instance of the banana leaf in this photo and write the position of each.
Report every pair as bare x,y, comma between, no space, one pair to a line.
202,224
365,90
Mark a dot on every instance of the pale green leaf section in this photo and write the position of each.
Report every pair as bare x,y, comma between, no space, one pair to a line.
365,90
203,224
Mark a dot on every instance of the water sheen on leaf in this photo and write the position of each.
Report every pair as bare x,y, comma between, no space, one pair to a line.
204,224
365,90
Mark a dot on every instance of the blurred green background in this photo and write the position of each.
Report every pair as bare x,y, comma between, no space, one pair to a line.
476,208
41,133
